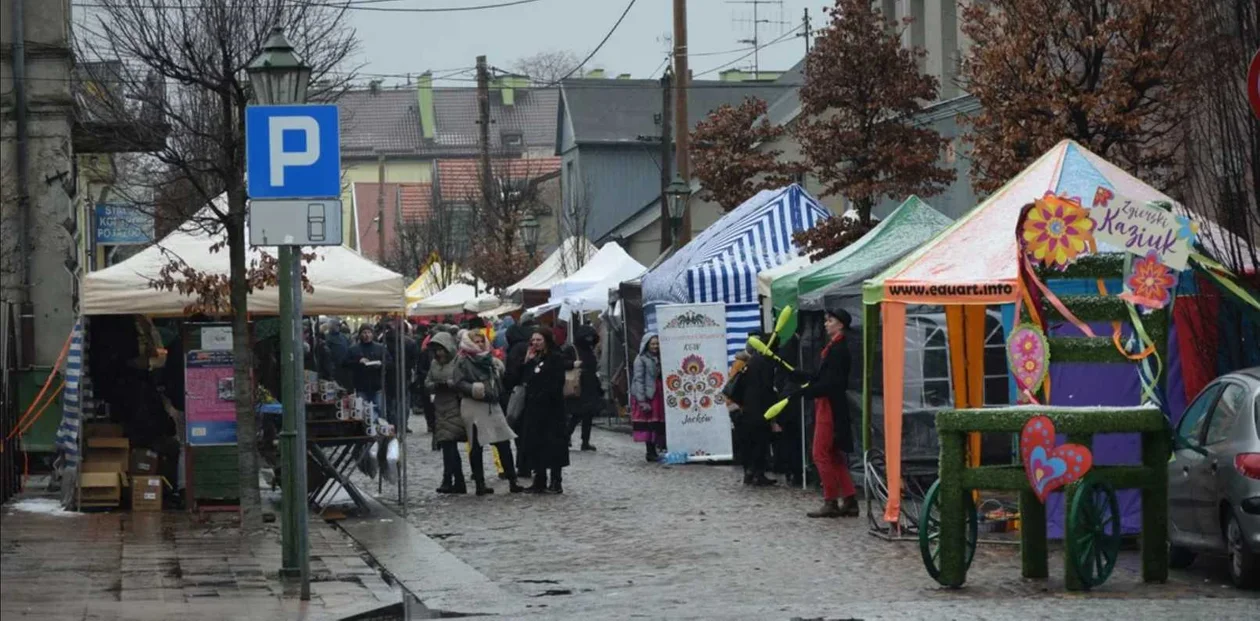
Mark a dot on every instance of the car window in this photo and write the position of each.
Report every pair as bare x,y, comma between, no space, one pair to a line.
1232,403
1191,425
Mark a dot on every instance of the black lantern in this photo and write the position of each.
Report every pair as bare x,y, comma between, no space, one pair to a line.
529,234
677,194
278,75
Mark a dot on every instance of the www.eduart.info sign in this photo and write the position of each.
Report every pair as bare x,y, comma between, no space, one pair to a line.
693,371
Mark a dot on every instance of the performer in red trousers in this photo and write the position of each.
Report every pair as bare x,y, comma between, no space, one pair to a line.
833,433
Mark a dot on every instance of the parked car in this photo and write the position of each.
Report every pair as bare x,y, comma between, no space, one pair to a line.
1214,477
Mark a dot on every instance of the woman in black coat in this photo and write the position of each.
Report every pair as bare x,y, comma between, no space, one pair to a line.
544,443
755,394
582,408
833,434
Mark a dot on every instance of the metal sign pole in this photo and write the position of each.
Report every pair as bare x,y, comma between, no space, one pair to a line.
293,403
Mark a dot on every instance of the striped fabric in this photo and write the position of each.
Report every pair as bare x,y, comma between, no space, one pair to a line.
761,238
72,398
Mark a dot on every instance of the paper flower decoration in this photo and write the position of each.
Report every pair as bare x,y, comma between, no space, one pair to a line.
1187,229
1151,282
1029,357
1057,230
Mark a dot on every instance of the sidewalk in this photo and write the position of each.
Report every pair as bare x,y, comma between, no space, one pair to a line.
57,565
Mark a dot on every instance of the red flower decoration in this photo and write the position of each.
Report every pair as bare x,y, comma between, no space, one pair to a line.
1151,282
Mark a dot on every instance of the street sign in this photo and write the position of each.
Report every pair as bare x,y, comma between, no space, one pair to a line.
120,224
1253,84
311,222
292,151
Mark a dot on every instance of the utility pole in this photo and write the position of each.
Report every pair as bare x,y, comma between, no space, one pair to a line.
667,159
380,209
483,122
807,31
681,127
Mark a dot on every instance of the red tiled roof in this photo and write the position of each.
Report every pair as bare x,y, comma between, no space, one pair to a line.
458,180
408,201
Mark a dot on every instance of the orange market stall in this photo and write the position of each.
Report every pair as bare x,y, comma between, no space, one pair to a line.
969,267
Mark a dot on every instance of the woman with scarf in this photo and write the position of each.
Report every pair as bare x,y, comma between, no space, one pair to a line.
544,437
448,429
479,378
833,434
647,398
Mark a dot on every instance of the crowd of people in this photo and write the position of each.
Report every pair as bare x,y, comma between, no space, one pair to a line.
519,391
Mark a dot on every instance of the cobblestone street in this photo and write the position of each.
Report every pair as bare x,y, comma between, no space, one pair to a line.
630,539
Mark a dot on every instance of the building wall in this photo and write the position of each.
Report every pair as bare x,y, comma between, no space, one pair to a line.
612,182
396,171
645,245
49,105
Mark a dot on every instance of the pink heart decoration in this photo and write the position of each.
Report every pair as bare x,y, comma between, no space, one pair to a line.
1047,466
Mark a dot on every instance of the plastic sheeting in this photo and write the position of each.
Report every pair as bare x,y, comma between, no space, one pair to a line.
343,281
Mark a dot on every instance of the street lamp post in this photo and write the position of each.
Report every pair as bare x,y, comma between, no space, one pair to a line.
278,77
677,193
529,234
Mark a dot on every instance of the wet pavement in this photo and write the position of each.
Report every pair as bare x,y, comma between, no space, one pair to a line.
629,539
57,565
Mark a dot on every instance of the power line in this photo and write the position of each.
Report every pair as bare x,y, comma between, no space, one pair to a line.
597,47
349,5
780,39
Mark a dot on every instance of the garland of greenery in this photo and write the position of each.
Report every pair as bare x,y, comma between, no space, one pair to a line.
1088,267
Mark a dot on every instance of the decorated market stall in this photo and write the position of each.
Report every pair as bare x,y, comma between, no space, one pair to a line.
976,264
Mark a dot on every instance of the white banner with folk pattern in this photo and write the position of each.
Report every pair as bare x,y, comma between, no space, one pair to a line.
693,372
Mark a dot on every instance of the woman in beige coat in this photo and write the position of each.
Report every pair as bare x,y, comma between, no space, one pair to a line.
479,378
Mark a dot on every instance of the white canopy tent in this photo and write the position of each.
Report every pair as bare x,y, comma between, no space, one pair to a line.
457,298
574,251
767,276
587,289
429,281
343,281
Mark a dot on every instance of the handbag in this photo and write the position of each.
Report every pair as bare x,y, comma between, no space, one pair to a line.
734,388
573,383
516,404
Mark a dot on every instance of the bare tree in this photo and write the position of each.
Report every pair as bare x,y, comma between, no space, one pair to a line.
496,210
549,66
435,240
574,223
198,50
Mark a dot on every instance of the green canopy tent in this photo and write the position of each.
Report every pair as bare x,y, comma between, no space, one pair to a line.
837,279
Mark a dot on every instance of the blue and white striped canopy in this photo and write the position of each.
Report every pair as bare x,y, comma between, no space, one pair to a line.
721,264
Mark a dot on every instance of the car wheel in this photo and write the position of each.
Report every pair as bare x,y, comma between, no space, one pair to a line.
1179,557
1243,563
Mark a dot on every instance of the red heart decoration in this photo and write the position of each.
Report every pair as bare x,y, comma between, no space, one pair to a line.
1047,466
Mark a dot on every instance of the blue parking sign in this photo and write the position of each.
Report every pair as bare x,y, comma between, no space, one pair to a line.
292,151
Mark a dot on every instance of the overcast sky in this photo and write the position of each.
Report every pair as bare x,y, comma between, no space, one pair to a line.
398,43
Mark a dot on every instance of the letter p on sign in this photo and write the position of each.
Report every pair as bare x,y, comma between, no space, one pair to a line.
292,152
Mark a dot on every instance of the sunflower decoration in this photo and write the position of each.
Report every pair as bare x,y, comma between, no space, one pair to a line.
1057,230
1150,284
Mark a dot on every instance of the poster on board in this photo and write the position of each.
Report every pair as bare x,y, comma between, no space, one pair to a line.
209,398
693,371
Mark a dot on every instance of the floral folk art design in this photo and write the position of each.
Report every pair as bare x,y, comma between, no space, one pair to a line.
1150,284
1057,230
694,386
1047,466
1029,356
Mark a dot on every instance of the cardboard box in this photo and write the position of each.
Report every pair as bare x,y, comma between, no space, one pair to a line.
114,450
144,462
146,493
100,489
102,430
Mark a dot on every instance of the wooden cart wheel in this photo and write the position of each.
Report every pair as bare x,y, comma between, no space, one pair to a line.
1093,532
930,532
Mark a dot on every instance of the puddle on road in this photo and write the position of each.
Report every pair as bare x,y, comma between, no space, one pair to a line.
409,609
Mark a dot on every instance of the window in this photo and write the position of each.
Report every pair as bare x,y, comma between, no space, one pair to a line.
1191,425
513,139
1232,403
927,373
997,388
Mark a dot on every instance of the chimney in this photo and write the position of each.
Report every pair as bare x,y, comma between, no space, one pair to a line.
374,87
424,104
623,76
596,74
507,85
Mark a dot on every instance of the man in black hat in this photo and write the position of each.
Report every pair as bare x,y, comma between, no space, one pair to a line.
833,435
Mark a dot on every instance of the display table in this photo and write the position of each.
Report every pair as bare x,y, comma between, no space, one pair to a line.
333,447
